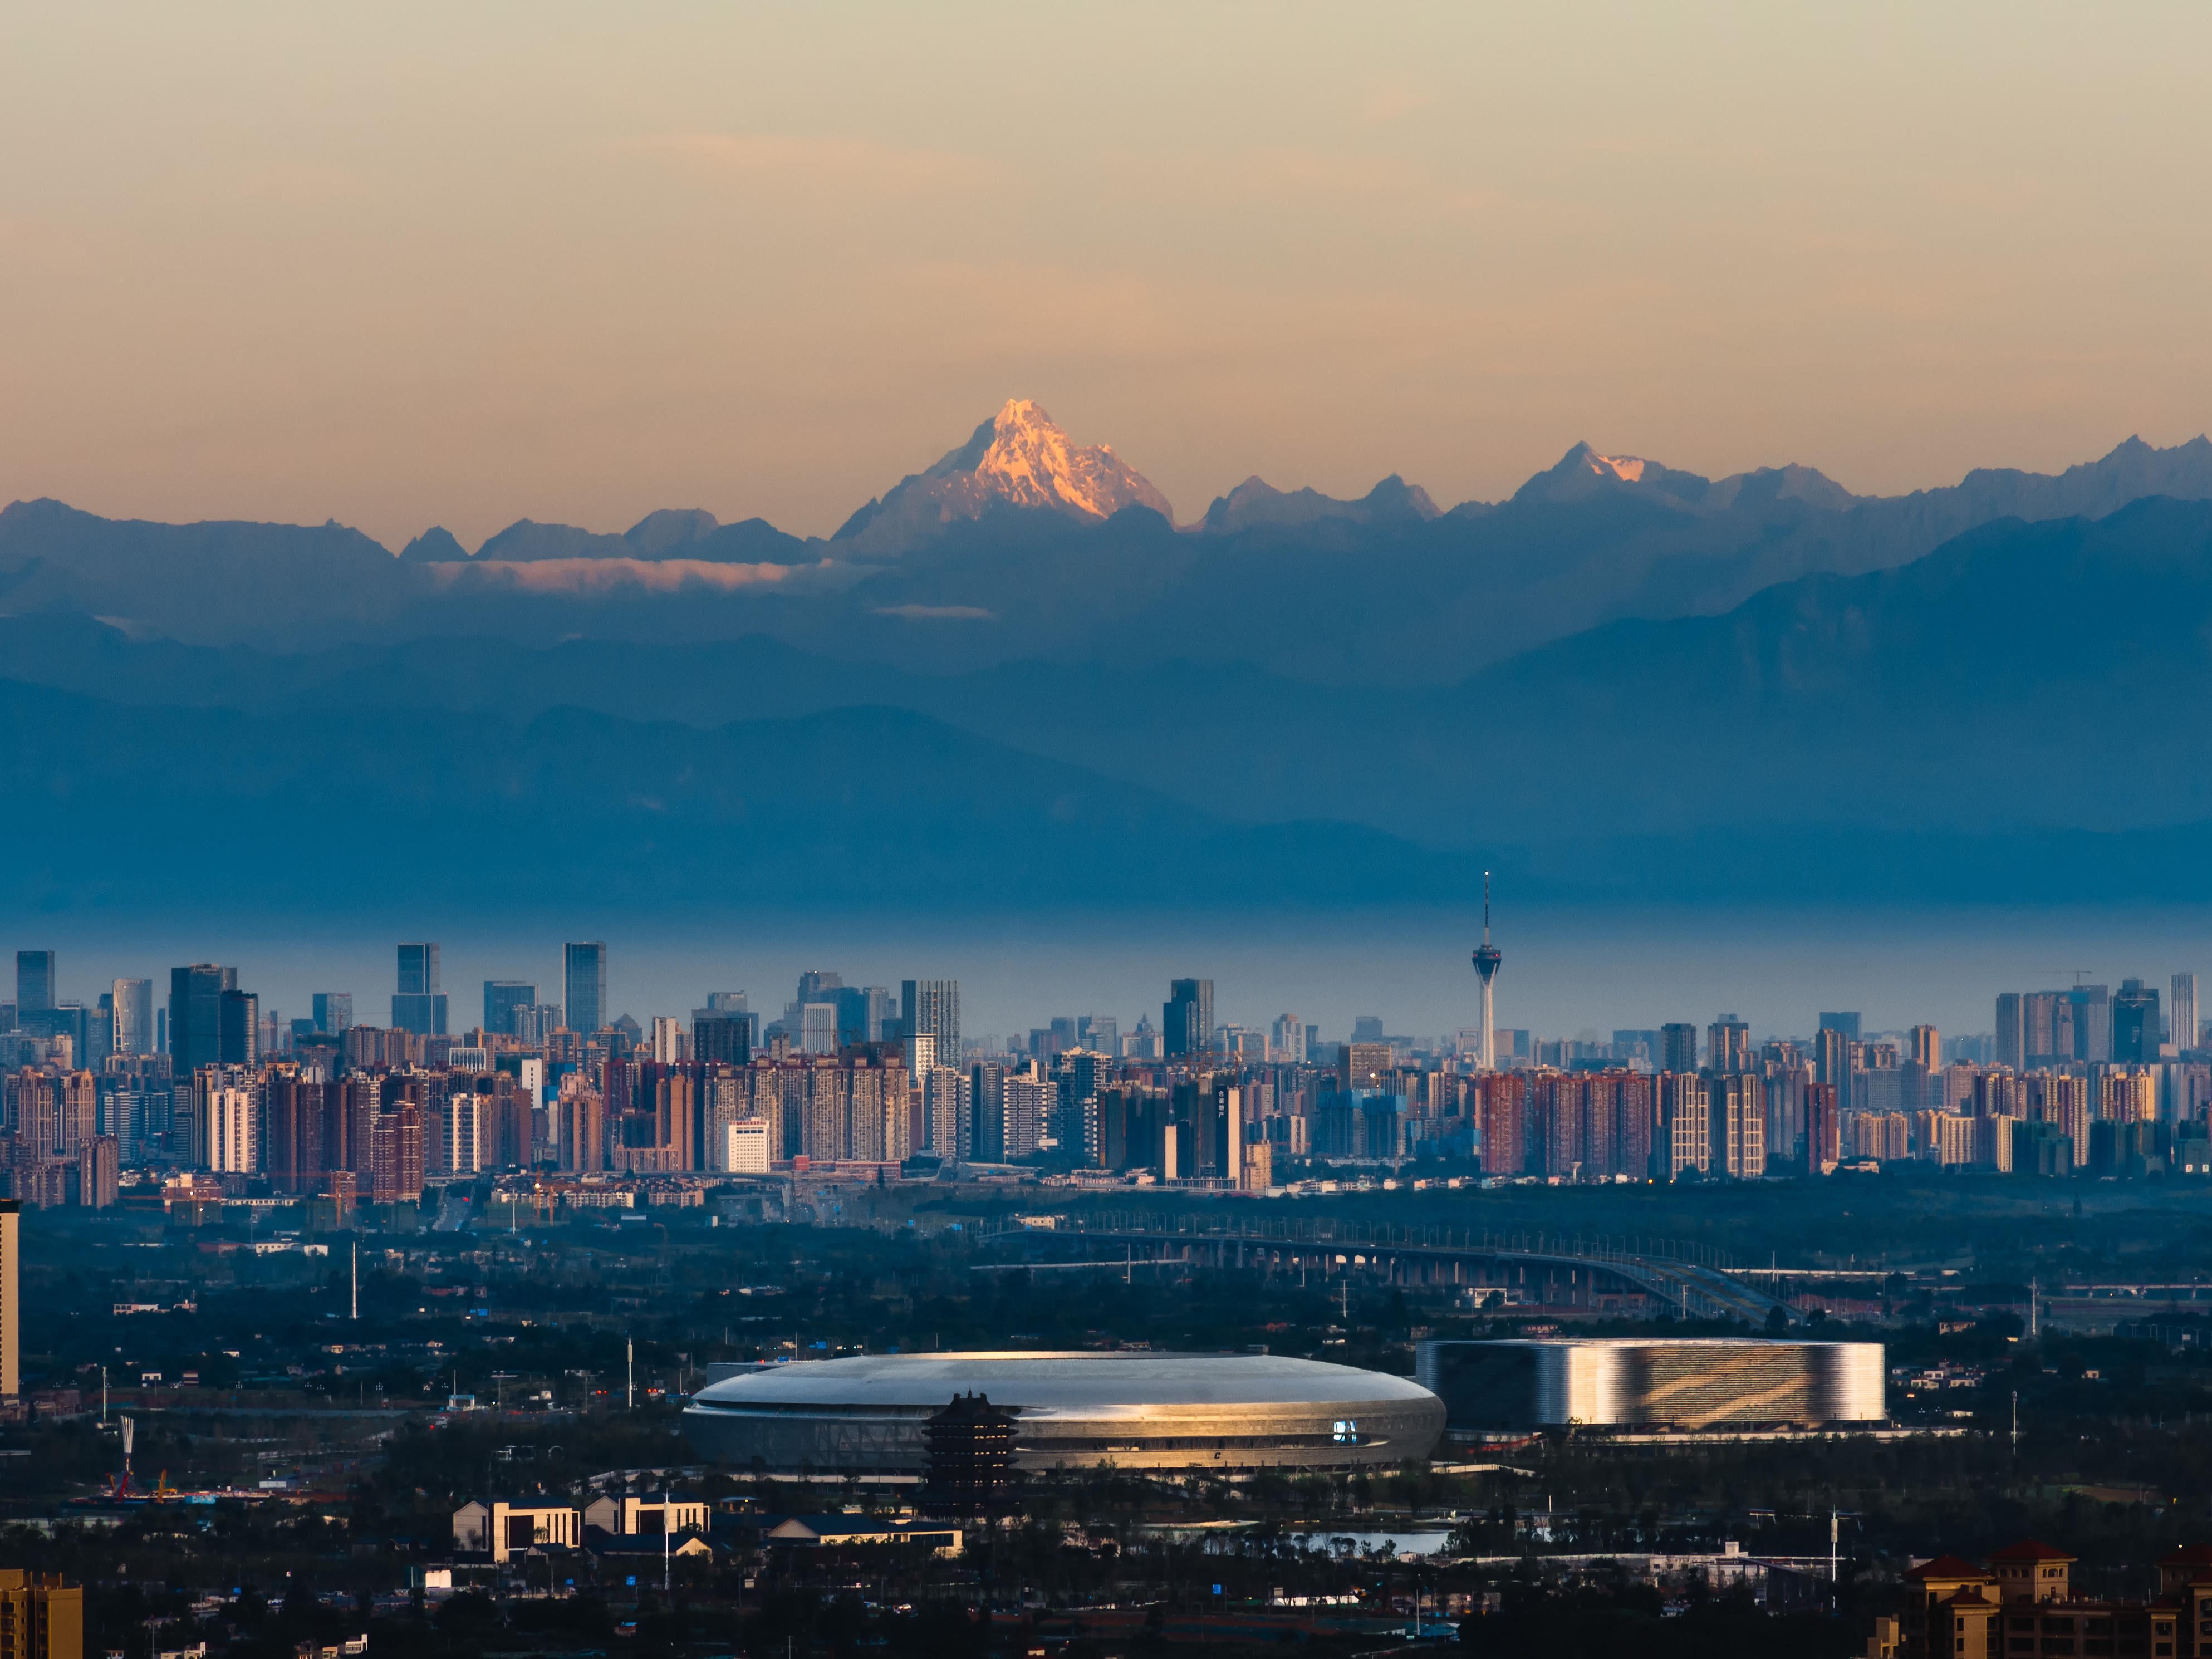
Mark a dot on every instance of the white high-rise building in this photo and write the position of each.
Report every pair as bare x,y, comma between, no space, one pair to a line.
745,1149
668,1039
467,1119
227,1120
817,1027
1286,1042
1029,1107
948,1112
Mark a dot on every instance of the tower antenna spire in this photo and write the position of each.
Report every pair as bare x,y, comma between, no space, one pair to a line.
1487,957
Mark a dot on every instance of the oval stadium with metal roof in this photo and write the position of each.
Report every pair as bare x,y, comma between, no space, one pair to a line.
1133,1410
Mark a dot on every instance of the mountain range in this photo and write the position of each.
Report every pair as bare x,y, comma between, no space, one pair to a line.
1012,679
1020,546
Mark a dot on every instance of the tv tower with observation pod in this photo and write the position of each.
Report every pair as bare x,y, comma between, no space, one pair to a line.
1487,957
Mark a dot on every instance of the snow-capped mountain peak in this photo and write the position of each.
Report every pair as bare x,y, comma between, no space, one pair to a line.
1629,469
1032,463
1018,458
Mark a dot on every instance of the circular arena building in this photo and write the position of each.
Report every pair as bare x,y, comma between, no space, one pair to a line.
1142,1411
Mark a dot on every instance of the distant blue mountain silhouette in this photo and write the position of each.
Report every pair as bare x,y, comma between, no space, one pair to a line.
2019,713
2016,718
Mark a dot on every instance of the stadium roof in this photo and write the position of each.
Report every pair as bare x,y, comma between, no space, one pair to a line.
1042,1381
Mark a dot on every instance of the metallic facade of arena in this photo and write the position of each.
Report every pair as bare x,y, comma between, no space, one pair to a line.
1631,1384
1143,1411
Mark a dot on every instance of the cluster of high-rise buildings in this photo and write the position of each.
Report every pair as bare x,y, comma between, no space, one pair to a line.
2120,1107
209,1082
2092,1024
55,1146
205,1080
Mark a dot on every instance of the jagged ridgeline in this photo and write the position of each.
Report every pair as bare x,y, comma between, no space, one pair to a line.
1623,680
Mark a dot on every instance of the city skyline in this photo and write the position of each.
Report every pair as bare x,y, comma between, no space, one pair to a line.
852,1078
672,981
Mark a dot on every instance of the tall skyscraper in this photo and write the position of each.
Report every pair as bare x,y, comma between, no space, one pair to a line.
1728,1044
100,1032
1187,1017
34,981
67,1019
418,971
880,1020
133,1015
1926,1044
2181,1013
1678,1048
501,998
987,1138
818,985
230,1142
1685,1117
196,1017
948,1113
11,1307
1488,958
1823,1144
721,1037
1367,1067
238,1027
1832,1065
422,1013
2135,1024
2010,1033
851,1002
1847,1023
730,1007
584,982
1739,1131
931,1008
2093,1023
333,1011
665,1040
417,1004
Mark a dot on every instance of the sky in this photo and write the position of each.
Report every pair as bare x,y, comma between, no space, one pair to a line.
406,264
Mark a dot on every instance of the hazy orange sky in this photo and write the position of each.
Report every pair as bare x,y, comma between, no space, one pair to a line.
408,264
